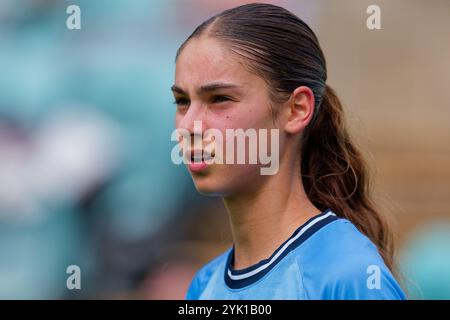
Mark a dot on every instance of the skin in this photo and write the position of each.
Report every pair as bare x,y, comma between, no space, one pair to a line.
263,210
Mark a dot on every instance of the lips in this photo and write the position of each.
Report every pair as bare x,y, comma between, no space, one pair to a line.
199,155
198,159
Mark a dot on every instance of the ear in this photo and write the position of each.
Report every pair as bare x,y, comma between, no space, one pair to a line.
300,109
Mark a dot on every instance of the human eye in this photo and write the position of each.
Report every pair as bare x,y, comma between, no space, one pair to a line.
220,99
181,102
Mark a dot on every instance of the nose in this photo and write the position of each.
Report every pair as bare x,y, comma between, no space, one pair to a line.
193,120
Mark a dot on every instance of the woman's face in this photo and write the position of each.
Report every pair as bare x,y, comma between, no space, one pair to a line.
214,87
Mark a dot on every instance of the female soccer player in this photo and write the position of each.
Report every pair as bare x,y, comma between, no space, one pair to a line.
310,231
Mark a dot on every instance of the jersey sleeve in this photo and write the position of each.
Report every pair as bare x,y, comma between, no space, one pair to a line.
365,279
343,264
193,291
202,277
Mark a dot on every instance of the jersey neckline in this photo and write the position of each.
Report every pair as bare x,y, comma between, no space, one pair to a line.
236,279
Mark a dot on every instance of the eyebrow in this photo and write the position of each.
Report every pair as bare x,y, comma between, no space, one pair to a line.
206,88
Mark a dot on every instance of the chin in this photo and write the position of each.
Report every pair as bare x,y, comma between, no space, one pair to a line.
208,191
207,187
222,183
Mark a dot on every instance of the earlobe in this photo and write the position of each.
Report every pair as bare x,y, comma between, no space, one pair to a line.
301,108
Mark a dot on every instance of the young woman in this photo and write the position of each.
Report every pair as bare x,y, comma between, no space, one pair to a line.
309,231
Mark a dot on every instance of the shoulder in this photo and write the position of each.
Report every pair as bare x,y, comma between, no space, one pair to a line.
203,275
339,262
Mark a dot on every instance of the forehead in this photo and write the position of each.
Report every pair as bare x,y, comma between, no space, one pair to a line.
205,60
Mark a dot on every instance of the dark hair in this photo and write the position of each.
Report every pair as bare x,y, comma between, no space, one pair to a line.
284,51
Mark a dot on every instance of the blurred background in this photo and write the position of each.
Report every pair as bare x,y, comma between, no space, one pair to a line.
86,115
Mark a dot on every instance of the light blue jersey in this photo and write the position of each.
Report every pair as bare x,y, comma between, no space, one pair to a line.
325,258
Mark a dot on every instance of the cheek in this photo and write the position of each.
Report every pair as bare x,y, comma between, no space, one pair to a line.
242,116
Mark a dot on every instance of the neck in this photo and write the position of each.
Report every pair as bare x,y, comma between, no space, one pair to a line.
263,220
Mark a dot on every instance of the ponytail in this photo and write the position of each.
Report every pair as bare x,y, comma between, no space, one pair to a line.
335,175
